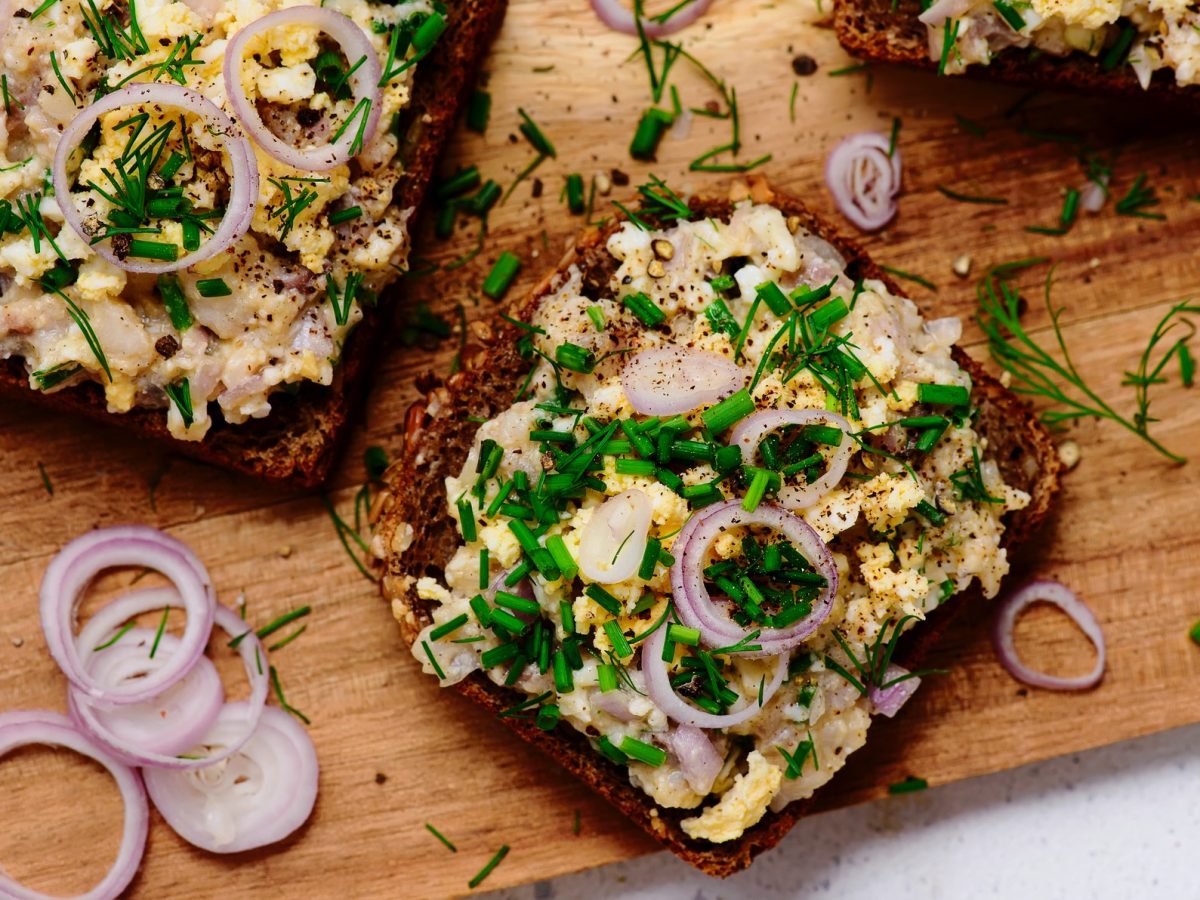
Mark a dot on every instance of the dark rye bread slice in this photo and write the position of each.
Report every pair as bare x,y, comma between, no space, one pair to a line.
440,435
877,31
298,443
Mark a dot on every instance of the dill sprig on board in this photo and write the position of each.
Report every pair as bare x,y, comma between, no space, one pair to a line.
1039,372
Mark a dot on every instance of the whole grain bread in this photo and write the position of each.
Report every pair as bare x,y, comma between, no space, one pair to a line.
417,535
878,31
298,443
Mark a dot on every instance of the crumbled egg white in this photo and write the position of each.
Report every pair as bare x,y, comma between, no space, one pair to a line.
1167,33
891,563
278,328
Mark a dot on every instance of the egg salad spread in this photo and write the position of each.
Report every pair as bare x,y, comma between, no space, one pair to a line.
154,179
733,477
1146,35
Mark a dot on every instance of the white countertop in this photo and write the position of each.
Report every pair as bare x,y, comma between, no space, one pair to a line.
1122,821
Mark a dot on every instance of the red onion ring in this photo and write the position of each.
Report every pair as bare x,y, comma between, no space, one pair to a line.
1046,591
617,16
174,720
666,381
364,82
253,658
243,187
698,758
262,792
24,729
658,685
864,181
888,700
72,570
749,433
696,606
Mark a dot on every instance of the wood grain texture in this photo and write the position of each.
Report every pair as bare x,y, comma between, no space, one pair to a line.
1124,537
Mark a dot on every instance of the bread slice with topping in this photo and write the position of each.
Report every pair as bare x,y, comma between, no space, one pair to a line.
887,32
298,441
419,540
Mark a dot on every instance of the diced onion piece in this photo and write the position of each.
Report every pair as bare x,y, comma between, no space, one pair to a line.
750,432
1046,591
666,381
614,539
864,180
696,607
888,700
38,728
618,15
364,82
72,570
243,188
658,685
262,790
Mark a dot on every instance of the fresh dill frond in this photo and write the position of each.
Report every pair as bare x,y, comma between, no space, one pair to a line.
659,203
1039,372
1138,199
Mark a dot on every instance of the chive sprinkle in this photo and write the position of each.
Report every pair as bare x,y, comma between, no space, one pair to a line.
501,277
162,627
909,785
441,837
342,216
213,287
617,638
116,637
943,394
479,110
728,412
643,752
645,309
971,198
487,869
535,136
287,707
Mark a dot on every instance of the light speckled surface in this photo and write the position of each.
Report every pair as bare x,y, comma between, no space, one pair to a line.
1116,822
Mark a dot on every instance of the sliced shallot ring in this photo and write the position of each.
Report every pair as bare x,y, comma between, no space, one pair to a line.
171,722
253,658
749,433
72,570
888,700
696,606
243,187
667,381
32,728
658,685
1046,591
614,539
864,179
364,82
262,794
619,17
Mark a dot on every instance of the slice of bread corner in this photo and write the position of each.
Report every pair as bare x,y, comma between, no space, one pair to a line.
418,536
299,442
877,31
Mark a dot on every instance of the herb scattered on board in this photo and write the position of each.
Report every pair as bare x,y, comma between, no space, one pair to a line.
488,867
909,785
441,837
375,461
1054,377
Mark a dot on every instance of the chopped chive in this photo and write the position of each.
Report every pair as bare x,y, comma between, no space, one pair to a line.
650,559
562,557
159,250
728,412
483,612
213,287
931,513
287,640
825,317
534,135
567,615
607,601
971,198
548,716
441,837
617,637
448,627
911,784
681,634
437,668
1070,206
479,110
573,357
465,179
116,637
1194,634
609,750
1009,14
575,200
649,133
1119,51
564,681
823,434
467,523
645,309
596,314
342,216
508,621
501,277
943,394
517,603
756,491
607,674
484,570
498,656
642,752
635,467
487,869
771,294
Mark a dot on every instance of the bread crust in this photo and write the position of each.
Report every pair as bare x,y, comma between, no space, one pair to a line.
874,31
417,534
299,441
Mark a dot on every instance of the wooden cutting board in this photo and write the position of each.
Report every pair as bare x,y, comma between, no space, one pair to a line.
396,754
